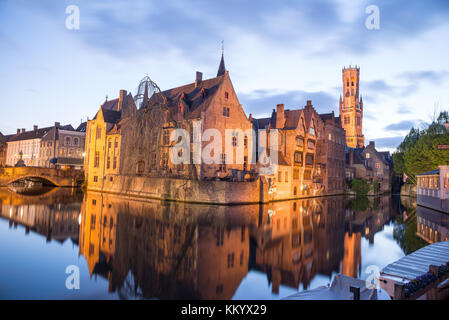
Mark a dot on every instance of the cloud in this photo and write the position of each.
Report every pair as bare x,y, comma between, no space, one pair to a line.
426,75
260,103
389,142
404,125
404,109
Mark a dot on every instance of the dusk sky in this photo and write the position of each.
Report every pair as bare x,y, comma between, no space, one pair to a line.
276,52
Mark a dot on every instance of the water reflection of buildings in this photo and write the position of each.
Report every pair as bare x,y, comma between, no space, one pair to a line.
53,215
173,250
432,226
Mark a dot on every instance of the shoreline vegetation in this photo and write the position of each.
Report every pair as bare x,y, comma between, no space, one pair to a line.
420,152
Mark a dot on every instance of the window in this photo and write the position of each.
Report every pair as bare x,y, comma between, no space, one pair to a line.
98,133
330,137
309,159
286,176
70,152
97,159
312,131
109,143
245,141
295,174
94,202
108,164
75,141
279,176
357,121
62,152
347,120
298,157
95,178
234,141
245,163
377,165
299,141
226,112
368,155
226,95
114,164
311,144
92,222
115,143
67,141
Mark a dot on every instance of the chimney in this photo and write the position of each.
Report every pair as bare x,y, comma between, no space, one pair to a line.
199,78
18,131
280,119
57,124
372,144
121,99
23,130
35,127
309,103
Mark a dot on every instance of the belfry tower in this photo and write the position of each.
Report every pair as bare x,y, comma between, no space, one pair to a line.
351,108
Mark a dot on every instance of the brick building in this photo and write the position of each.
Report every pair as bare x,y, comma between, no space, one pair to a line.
331,154
297,172
369,164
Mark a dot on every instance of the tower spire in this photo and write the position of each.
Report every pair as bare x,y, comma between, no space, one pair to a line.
221,68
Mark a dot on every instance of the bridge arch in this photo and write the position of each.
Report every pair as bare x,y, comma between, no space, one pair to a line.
16,179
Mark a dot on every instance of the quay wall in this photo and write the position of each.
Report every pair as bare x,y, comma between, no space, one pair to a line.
194,191
217,192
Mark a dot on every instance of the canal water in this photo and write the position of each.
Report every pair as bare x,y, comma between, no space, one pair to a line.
120,248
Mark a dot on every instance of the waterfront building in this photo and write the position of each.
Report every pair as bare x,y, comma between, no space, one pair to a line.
433,189
26,145
351,108
103,139
3,148
136,144
369,164
331,154
62,147
298,173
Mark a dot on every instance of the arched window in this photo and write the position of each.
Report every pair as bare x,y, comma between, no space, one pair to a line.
75,141
67,141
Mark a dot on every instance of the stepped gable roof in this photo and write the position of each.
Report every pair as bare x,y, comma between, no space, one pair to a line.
195,97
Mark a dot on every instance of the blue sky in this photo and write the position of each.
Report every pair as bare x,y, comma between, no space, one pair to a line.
276,52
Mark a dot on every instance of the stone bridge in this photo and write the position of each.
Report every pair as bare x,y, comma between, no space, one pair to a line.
57,177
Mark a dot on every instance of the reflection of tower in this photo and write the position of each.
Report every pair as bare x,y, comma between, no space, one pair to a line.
352,259
351,108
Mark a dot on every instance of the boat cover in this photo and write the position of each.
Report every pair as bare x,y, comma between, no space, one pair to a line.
340,290
418,262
